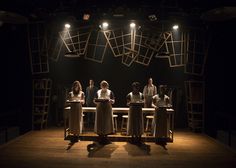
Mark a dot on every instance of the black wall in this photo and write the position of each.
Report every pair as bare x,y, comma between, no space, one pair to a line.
15,78
219,78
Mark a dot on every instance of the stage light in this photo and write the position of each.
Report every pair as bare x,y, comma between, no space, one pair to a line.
104,26
67,25
132,25
175,27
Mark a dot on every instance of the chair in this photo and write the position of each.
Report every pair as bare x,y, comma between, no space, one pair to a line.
149,120
115,116
124,122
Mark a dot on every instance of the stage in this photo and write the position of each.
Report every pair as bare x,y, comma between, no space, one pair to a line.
47,148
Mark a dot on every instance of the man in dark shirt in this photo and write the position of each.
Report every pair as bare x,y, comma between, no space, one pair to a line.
91,91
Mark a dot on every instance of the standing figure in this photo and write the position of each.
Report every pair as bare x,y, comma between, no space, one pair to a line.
135,116
90,93
160,103
149,91
104,124
76,99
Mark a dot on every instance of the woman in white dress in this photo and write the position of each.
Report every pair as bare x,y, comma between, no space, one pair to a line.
104,124
135,117
76,99
160,103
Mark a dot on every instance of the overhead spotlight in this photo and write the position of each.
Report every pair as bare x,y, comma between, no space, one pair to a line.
152,17
67,25
105,25
175,27
132,25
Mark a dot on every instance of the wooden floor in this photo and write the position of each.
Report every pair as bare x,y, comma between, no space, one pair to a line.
48,149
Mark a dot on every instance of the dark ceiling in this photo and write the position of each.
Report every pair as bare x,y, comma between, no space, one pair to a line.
44,9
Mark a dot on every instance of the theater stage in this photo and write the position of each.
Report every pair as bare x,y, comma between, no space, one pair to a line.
47,148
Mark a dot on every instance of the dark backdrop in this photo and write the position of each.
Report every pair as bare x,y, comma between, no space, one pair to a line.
17,78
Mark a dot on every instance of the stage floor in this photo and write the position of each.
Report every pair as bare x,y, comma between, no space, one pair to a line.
47,148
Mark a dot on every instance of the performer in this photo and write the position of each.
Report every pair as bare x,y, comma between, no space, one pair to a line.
149,91
76,99
160,103
104,124
135,116
90,93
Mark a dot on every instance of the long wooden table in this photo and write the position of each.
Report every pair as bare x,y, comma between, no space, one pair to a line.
121,109
125,110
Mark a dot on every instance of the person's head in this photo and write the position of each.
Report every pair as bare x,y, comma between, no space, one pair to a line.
76,87
150,81
135,86
104,85
161,90
91,82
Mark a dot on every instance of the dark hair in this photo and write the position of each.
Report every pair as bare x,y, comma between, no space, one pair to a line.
161,90
75,83
136,85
